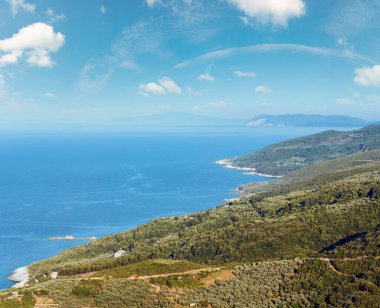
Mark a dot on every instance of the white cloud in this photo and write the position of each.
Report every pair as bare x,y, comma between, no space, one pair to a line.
206,77
242,74
368,76
53,17
17,5
90,80
276,12
2,81
193,92
103,9
267,48
49,95
344,101
129,65
151,88
151,3
164,86
263,90
35,41
170,86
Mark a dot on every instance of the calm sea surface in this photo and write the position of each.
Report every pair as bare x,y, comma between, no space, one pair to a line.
92,181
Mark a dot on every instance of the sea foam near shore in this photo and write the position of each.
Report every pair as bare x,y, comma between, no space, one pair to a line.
228,163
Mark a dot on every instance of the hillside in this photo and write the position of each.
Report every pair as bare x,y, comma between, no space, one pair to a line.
307,120
318,173
310,238
285,157
282,247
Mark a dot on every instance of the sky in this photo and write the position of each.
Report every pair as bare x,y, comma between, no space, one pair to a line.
104,60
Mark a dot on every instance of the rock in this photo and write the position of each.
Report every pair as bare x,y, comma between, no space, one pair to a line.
119,253
54,275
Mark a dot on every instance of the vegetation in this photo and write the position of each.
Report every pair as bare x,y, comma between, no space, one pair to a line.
286,157
311,241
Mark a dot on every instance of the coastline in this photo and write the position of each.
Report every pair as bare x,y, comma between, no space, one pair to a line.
228,164
21,276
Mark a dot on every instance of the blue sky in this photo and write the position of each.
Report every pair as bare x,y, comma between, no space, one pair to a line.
91,61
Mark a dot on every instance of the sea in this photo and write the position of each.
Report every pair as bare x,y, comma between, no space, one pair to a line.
87,181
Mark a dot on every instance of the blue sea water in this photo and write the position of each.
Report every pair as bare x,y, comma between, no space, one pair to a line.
93,182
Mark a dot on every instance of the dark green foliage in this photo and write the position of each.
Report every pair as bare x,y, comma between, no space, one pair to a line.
255,285
149,267
322,286
191,281
296,224
286,157
25,300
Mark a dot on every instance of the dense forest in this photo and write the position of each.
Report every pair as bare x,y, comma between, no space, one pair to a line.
311,240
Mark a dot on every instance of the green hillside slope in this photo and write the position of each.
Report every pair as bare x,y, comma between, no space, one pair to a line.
311,240
286,157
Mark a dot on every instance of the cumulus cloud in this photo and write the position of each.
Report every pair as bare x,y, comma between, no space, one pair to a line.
151,88
263,90
276,12
169,85
206,77
35,42
164,86
368,76
242,74
17,5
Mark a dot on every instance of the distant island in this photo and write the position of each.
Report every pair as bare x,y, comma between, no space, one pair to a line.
286,120
308,239
307,120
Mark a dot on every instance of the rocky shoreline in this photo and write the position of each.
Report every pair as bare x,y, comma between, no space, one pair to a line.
228,163
21,276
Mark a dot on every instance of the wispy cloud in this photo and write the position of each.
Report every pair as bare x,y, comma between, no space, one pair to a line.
53,16
18,5
242,74
344,101
266,48
49,95
206,76
91,81
263,90
103,9
352,17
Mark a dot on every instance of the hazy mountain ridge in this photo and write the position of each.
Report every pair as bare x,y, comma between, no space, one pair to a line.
288,120
307,120
177,119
